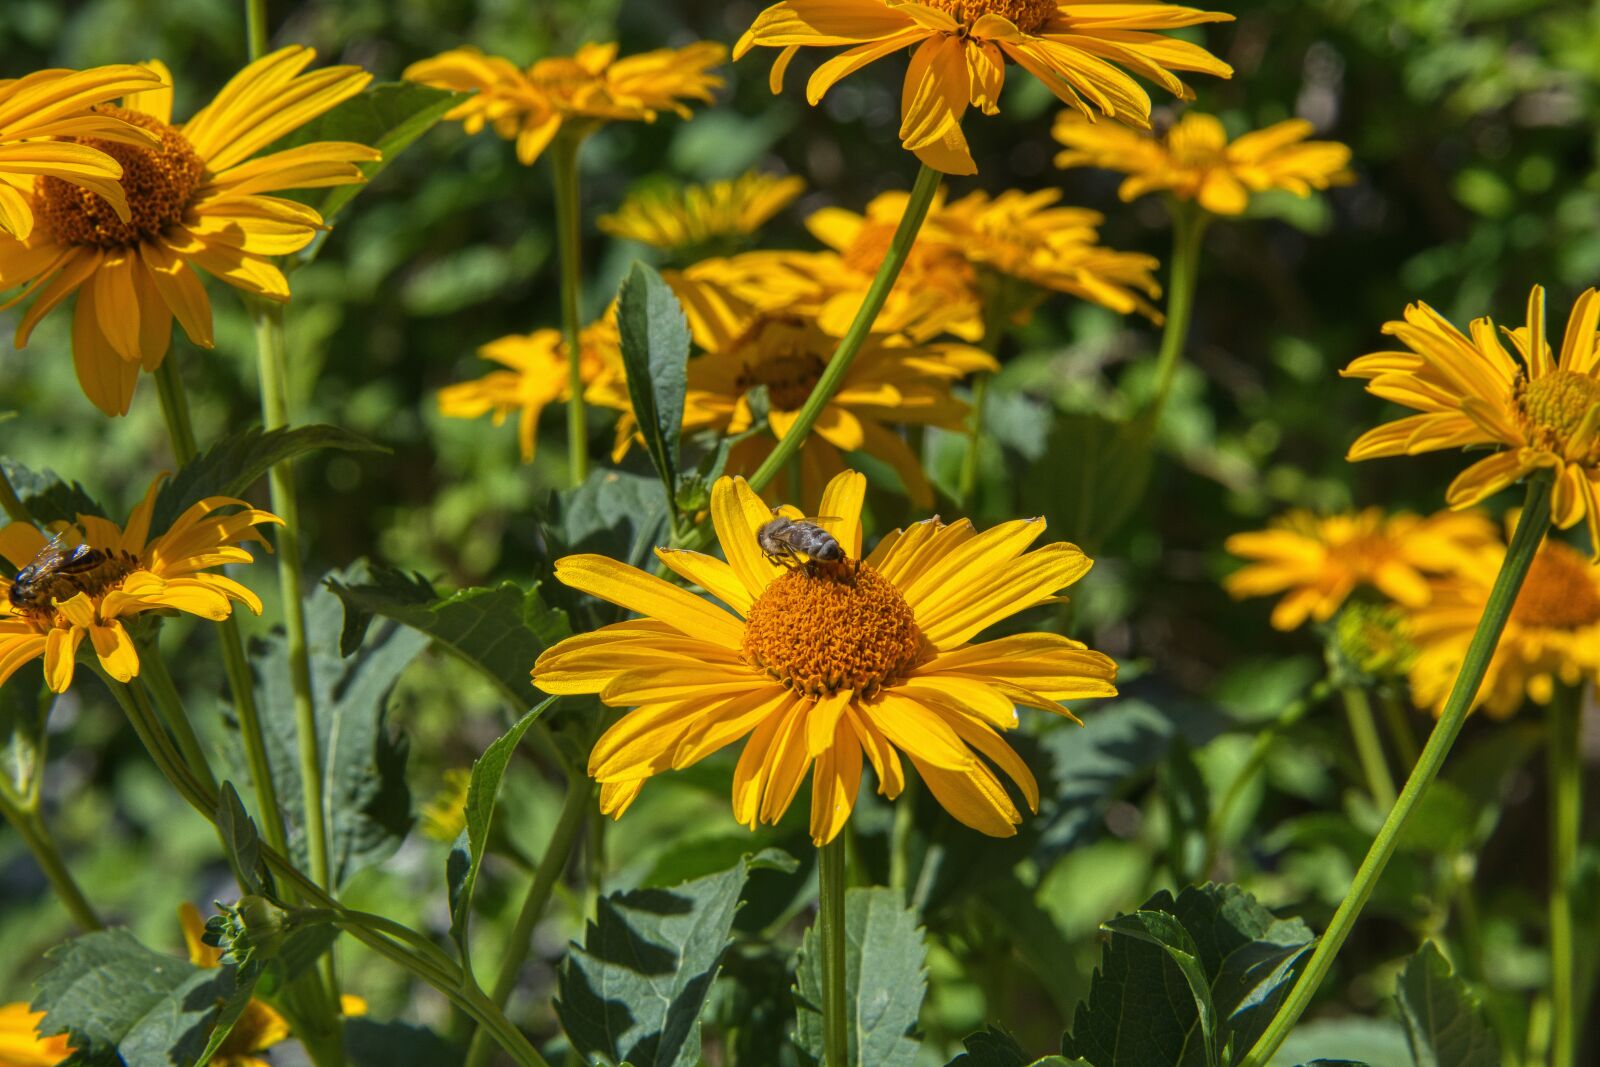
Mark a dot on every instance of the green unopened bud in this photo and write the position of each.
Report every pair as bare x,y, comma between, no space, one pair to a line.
254,928
1373,640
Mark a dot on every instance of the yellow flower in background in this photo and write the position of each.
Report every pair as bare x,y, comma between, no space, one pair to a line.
822,663
687,217
1542,411
1553,634
893,381
536,377
1317,561
530,106
444,816
1077,50
95,576
38,115
196,200
20,1042
1195,160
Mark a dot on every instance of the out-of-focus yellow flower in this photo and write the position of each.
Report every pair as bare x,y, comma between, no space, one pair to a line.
196,199
690,218
822,663
49,126
961,46
1553,634
1317,561
536,377
1194,160
531,106
20,1042
445,815
1542,412
94,576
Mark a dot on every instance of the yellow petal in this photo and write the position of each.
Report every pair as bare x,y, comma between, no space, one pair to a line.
644,594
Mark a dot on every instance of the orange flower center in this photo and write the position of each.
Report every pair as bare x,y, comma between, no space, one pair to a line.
785,353
159,183
1560,591
62,572
1554,405
825,627
1026,15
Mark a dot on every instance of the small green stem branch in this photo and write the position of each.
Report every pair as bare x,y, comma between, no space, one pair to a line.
255,27
905,235
30,826
175,408
831,882
1369,750
575,808
1188,232
1524,543
569,213
1565,784
14,508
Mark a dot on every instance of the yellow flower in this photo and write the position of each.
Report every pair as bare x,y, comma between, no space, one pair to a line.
822,662
1553,633
1317,561
536,377
892,381
20,1042
39,110
530,106
196,200
445,816
94,576
691,217
259,1026
1544,412
1194,160
961,48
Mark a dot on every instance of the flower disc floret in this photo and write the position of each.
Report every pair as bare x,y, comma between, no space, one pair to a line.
1026,15
159,184
1552,408
1558,592
823,628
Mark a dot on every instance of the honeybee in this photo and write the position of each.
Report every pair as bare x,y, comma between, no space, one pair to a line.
49,576
784,540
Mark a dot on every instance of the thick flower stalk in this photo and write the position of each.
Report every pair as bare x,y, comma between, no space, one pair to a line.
823,665
197,200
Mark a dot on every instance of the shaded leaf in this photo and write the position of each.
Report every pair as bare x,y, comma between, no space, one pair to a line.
655,353
1443,1020
370,1043
25,703
996,1048
885,980
239,837
1164,931
1348,1039
1091,478
614,513
47,496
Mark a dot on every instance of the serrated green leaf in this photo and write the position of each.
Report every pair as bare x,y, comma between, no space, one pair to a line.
613,513
1164,931
1346,1039
1443,1019
885,980
655,352
1091,478
47,496
239,837
233,464
500,630
996,1048
461,870
117,998
635,988
25,703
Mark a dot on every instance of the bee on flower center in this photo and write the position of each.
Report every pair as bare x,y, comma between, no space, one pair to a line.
785,540
60,572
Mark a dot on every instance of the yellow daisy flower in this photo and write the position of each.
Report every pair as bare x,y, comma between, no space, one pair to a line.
196,200
1543,412
961,48
94,576
536,377
1317,561
892,381
530,106
1553,633
690,217
38,111
1194,160
820,663
21,1045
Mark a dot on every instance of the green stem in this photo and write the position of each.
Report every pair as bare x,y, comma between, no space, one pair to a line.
905,235
1519,557
255,27
569,211
1369,750
175,407
579,799
1399,726
13,505
1566,798
831,883
1188,230
155,677
30,826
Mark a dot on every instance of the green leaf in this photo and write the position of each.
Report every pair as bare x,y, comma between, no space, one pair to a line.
1443,1019
117,998
466,856
233,464
369,1043
365,789
1348,1039
996,1048
1164,931
25,703
239,837
47,496
613,513
655,352
500,630
635,988
885,980
1092,477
